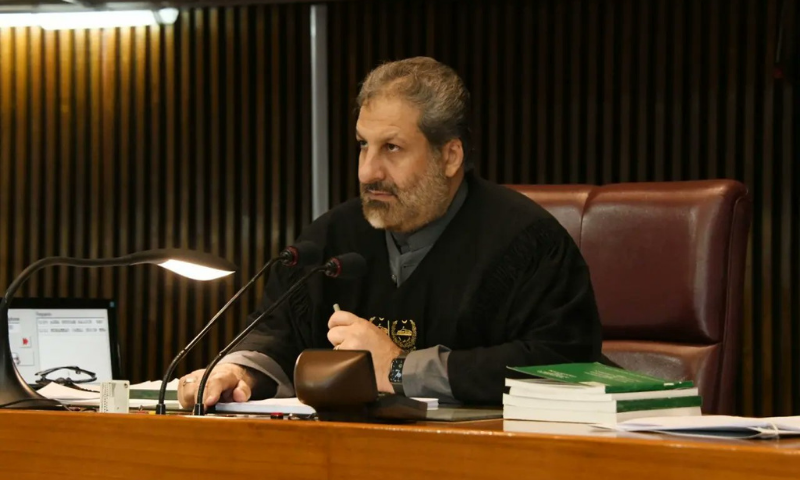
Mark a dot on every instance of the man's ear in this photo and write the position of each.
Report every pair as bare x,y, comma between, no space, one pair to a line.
453,157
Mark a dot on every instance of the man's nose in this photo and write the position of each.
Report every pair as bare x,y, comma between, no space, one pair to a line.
370,168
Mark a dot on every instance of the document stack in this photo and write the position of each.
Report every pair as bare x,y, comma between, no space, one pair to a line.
594,393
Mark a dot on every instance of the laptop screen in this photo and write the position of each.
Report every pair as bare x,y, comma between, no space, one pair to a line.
49,333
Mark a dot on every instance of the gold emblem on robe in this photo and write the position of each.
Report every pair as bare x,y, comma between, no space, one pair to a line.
402,332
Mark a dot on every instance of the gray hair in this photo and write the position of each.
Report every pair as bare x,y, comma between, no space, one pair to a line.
431,86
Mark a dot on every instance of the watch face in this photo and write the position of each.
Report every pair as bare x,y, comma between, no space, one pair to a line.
396,373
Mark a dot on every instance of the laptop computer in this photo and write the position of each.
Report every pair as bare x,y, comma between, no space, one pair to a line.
58,332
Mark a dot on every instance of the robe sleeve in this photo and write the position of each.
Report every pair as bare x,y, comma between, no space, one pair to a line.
549,317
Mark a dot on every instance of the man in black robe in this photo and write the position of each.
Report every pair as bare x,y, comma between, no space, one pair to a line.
465,277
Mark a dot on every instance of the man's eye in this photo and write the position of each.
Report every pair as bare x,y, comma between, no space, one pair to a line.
392,147
362,144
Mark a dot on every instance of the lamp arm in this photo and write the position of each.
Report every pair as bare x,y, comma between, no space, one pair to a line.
70,262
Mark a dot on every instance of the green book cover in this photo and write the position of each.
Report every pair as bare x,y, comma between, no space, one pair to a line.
615,380
152,394
658,403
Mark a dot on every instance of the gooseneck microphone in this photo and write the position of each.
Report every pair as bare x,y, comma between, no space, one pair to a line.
348,265
299,255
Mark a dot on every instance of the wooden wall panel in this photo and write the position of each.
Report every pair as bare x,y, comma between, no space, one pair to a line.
119,140
603,91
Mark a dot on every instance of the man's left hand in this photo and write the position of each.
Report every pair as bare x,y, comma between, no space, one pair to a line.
350,332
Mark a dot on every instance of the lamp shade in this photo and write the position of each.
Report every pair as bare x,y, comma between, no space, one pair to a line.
188,263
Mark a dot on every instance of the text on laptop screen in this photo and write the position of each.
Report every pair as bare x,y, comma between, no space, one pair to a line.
43,338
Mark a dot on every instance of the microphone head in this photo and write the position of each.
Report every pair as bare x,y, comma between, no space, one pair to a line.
348,265
301,254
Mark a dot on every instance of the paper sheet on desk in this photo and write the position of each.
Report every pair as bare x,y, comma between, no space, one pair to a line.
288,406
72,396
62,393
713,426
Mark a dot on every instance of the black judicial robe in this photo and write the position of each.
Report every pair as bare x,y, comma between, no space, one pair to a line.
504,285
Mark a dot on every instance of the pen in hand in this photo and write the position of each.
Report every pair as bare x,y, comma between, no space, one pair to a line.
336,309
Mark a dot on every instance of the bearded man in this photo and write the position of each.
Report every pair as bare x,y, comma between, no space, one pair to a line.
464,278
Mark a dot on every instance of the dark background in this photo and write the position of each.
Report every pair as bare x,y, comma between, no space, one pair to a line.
198,135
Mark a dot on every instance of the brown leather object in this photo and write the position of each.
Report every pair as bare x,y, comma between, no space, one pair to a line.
565,202
667,263
335,378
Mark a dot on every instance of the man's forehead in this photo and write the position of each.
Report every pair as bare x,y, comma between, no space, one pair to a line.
386,132
387,117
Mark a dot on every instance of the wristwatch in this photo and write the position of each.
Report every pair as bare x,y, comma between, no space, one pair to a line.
396,373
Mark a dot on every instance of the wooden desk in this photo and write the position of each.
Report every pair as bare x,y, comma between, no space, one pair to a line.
92,445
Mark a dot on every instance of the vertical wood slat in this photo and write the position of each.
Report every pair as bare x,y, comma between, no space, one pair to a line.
95,66
493,92
108,66
35,158
108,145
275,93
644,110
231,179
138,327
261,196
50,139
765,188
508,90
575,97
80,243
199,169
64,168
21,146
168,313
6,132
559,104
660,93
157,187
290,82
666,90
542,158
592,94
790,248
626,67
526,146
608,122
751,377
125,182
214,62
185,168
304,154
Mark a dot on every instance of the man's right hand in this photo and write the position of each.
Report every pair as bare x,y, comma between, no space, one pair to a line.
227,383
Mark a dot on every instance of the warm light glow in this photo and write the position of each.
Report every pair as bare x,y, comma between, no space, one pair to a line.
17,20
90,19
194,271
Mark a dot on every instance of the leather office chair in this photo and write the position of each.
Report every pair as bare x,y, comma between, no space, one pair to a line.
667,263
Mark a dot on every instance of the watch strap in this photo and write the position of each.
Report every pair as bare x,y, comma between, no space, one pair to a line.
396,373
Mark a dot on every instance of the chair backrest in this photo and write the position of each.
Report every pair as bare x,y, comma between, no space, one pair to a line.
667,263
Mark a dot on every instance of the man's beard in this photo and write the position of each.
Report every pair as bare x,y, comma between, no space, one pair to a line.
425,199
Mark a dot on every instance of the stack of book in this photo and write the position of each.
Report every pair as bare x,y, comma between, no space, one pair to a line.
595,393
